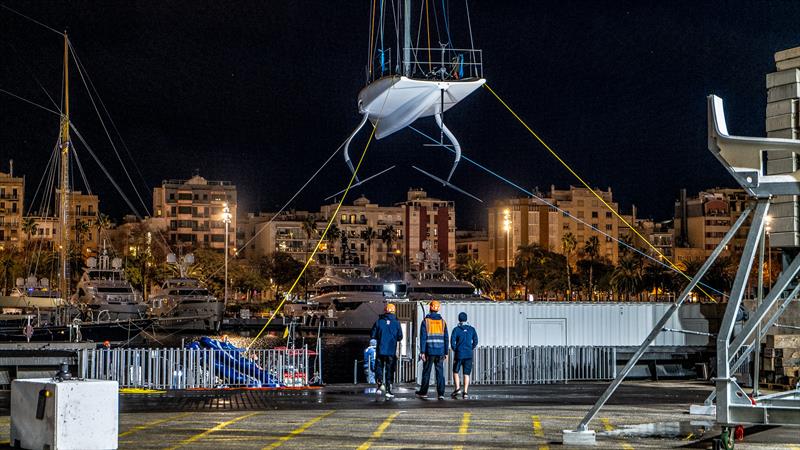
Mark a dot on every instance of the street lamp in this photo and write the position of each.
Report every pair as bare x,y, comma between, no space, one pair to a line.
226,219
507,228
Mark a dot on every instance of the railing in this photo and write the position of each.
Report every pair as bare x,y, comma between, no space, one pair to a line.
539,365
519,365
184,368
446,63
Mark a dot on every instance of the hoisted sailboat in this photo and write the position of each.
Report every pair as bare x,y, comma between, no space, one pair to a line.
425,82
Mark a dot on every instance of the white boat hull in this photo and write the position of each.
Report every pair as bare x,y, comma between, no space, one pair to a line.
393,103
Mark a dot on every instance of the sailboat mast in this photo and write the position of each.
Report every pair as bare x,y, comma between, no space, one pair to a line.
407,38
64,180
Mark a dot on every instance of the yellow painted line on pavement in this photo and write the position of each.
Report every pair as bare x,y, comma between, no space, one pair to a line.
378,432
608,427
214,429
297,431
152,424
538,431
463,428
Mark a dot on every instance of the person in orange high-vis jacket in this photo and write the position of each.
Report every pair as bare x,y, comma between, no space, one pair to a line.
433,346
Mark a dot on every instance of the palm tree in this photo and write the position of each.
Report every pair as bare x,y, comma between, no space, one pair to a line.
102,222
627,277
474,271
568,244
81,229
310,229
369,235
29,226
332,238
528,266
591,248
388,236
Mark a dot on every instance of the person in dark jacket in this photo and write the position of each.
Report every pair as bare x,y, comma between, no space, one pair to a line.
433,339
463,342
387,333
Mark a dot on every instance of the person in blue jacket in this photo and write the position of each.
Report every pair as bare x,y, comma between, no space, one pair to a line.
463,342
387,333
433,350
369,361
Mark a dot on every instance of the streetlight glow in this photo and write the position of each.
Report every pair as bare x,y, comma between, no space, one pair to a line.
226,219
507,228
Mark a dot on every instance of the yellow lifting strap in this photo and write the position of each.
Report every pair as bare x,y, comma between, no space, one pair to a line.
586,185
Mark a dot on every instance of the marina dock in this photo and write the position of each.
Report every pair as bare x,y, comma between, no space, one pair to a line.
642,415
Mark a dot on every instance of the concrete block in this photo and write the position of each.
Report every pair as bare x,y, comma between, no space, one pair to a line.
787,64
790,341
783,77
578,438
703,410
782,122
64,415
783,209
789,53
781,165
787,91
784,239
784,134
782,107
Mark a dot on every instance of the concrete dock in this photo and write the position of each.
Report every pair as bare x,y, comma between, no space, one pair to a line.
642,415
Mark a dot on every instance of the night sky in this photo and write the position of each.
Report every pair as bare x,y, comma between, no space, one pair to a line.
260,93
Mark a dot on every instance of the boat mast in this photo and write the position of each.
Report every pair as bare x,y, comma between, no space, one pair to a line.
64,177
407,38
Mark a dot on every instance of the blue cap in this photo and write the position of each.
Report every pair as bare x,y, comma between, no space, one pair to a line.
373,342
462,317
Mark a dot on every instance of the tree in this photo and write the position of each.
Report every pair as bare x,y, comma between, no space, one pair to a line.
568,244
331,239
591,248
10,268
627,277
29,227
81,230
102,222
475,272
529,266
369,235
310,229
388,236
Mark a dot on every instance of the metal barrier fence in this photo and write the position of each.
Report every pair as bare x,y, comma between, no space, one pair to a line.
538,365
185,368
519,365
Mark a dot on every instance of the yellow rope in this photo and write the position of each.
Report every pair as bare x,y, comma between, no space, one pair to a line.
321,239
586,185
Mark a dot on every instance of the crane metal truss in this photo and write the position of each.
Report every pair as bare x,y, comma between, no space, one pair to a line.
745,159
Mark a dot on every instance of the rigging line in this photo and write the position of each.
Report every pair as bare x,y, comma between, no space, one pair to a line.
562,211
41,180
333,218
436,22
371,32
80,170
105,171
31,102
445,12
285,205
32,20
471,42
586,185
105,129
33,75
428,28
111,119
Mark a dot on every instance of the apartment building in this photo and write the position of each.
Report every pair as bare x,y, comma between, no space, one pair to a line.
702,221
12,195
429,219
193,210
535,221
